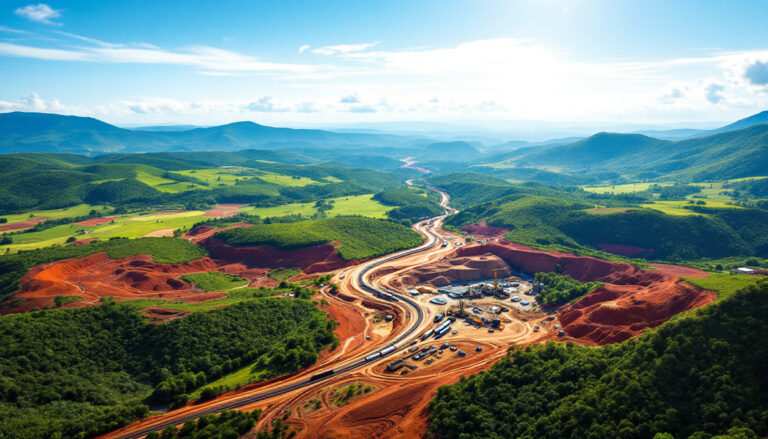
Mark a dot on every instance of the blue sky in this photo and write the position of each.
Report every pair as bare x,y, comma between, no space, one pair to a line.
304,63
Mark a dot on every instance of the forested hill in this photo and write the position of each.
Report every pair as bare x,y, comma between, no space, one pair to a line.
732,154
700,376
42,132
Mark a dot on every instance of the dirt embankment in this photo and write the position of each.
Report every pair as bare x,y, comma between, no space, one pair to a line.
632,300
96,221
459,269
200,233
315,259
97,276
483,229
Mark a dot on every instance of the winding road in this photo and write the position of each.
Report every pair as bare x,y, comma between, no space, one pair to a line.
298,381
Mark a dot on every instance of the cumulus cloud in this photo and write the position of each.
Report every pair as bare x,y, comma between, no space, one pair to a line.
267,104
757,73
714,93
40,13
351,98
342,49
33,102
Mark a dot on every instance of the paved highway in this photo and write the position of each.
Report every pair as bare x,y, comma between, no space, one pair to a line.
426,228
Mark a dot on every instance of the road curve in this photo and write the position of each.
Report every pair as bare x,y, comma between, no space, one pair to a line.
431,239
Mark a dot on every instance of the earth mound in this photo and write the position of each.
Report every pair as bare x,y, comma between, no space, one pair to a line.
97,276
315,259
459,269
632,300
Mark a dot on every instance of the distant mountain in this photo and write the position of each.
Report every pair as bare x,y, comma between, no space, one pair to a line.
755,119
42,132
451,151
730,154
685,133
165,128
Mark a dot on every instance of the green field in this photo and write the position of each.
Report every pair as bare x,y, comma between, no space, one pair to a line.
283,274
125,226
363,205
246,375
74,211
228,176
215,281
359,237
624,188
724,284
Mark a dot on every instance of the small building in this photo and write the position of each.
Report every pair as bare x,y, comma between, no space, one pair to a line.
745,270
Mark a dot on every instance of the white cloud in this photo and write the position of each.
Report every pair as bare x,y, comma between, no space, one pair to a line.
33,102
342,49
304,48
40,13
205,58
757,73
267,104
714,93
351,98
12,30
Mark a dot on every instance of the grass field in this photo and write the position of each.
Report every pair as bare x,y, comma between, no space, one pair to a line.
606,210
74,211
230,175
724,284
246,375
363,205
283,274
624,188
358,205
215,281
677,207
126,227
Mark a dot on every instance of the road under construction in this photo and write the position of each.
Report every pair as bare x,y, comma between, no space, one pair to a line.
362,355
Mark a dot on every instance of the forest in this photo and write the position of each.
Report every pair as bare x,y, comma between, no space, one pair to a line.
77,372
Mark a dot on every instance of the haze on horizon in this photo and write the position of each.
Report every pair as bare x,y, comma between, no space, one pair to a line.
341,63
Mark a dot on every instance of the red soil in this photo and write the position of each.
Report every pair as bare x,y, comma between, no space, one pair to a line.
96,221
458,269
97,276
200,233
316,259
631,301
162,315
84,241
224,210
624,250
484,229
22,224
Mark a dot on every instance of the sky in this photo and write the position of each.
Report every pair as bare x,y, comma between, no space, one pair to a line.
309,63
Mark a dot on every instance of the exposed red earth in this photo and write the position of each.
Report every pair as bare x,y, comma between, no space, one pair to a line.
315,259
96,221
483,229
20,225
632,300
84,241
224,210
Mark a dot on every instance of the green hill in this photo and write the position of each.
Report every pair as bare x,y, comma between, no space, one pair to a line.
359,237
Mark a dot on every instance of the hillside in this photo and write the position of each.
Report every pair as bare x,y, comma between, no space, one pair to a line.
359,237
732,154
43,132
